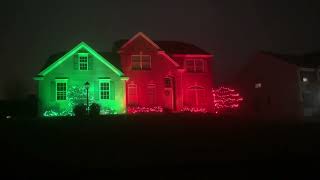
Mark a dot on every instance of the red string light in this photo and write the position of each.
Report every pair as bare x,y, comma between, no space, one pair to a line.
139,109
225,98
194,110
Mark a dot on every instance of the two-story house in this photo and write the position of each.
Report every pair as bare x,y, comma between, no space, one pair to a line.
139,73
277,85
170,74
63,81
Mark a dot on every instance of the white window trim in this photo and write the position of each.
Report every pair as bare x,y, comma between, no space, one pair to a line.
79,62
56,87
104,81
136,90
194,65
154,87
140,61
196,90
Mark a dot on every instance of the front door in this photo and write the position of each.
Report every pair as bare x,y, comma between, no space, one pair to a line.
169,95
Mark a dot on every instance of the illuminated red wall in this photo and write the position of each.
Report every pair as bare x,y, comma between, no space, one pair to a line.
162,67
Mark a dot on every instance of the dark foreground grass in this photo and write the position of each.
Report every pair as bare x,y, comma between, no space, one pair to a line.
227,146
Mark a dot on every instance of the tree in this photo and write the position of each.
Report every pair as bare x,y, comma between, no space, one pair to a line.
75,96
226,99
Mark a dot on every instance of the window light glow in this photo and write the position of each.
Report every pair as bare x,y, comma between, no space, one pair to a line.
304,79
138,109
226,99
194,110
258,85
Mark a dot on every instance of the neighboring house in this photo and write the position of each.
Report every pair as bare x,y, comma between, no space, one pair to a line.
138,73
280,86
173,75
61,83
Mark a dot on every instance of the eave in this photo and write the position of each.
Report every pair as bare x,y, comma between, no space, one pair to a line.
193,55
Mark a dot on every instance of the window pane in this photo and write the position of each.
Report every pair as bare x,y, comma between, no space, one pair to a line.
190,98
146,57
132,94
139,62
201,98
135,62
308,76
61,91
167,82
146,62
151,94
83,61
199,66
135,58
104,90
190,65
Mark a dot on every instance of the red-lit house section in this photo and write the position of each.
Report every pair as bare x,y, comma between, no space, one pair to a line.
166,75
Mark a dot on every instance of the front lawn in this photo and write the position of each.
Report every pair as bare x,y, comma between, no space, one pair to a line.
140,141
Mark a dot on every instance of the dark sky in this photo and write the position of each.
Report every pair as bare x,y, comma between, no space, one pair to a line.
232,30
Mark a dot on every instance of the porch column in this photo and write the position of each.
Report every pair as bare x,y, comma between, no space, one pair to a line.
124,101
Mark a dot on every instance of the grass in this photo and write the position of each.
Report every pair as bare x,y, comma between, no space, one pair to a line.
144,141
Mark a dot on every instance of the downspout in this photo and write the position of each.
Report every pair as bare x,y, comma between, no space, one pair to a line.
181,87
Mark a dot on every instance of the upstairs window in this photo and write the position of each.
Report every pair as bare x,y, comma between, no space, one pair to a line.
61,91
104,90
83,61
141,62
194,65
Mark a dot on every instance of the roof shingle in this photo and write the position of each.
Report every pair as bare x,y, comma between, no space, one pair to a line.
170,47
310,60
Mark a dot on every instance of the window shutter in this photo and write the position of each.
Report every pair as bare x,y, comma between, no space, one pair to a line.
96,90
53,91
75,62
112,90
205,65
90,62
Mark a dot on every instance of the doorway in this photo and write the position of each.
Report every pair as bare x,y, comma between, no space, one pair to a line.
169,93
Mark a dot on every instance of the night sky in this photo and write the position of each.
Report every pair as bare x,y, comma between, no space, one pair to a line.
232,30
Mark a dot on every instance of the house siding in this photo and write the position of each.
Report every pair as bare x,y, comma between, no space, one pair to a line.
161,67
279,96
76,77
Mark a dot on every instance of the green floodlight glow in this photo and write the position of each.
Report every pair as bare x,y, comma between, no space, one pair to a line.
60,100
72,52
75,96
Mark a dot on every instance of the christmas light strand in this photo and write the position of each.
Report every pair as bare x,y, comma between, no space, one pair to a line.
139,109
225,98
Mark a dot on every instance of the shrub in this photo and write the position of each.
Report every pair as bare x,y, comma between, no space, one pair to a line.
94,109
80,110
141,109
167,110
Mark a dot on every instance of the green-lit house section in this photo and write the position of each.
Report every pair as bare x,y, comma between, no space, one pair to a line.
61,85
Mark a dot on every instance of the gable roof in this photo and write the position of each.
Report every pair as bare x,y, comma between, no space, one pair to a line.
170,47
112,57
167,49
176,47
140,34
57,59
309,60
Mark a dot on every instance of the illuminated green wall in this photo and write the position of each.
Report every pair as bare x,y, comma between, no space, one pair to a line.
67,68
